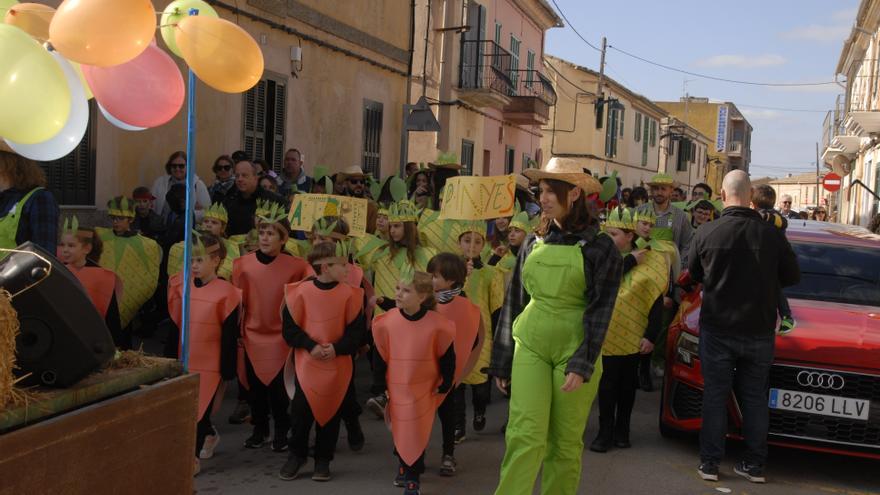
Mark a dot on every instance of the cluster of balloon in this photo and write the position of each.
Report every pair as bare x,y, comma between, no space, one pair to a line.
53,61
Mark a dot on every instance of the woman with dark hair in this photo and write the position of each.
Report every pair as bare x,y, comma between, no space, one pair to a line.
701,191
28,211
175,173
637,197
224,179
420,190
558,308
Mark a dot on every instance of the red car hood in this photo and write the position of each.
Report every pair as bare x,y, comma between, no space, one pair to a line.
844,335
841,335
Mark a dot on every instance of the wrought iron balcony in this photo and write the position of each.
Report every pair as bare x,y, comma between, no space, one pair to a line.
532,95
484,74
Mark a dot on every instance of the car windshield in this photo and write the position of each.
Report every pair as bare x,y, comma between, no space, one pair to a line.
835,273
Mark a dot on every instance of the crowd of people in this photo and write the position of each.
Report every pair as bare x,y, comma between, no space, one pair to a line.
433,307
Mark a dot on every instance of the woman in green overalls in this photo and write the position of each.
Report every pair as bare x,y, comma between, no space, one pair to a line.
28,211
550,334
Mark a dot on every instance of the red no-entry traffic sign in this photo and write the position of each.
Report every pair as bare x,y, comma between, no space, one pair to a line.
831,182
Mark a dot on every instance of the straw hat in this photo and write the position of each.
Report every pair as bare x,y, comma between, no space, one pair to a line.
662,180
352,171
446,160
565,170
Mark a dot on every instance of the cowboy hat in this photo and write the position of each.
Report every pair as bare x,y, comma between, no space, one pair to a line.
565,170
352,171
662,180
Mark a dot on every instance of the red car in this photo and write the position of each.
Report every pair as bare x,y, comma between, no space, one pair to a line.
825,380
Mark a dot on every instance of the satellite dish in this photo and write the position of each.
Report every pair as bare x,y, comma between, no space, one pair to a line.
841,164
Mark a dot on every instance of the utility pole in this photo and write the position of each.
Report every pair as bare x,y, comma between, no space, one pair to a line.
817,175
599,92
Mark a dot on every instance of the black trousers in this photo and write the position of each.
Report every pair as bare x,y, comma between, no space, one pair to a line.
302,418
204,428
617,394
412,473
446,412
263,397
479,397
351,408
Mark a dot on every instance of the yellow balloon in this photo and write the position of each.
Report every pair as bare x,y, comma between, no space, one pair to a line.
34,95
222,54
32,18
102,32
174,12
79,72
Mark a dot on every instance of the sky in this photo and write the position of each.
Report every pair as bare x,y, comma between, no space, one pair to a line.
767,41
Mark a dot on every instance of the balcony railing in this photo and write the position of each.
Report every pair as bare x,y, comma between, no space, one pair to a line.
833,125
531,83
485,65
735,148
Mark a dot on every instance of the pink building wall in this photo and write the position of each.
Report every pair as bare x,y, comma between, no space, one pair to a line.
523,139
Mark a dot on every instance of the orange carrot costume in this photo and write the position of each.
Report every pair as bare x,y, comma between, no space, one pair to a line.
468,333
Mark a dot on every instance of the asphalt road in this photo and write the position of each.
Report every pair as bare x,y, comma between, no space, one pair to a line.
654,466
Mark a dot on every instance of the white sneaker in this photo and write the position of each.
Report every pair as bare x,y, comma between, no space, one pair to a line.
211,442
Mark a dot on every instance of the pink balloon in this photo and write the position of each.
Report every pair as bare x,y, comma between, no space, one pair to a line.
147,91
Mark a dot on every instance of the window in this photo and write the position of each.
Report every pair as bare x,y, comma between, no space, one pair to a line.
264,120
530,67
72,178
498,34
645,143
514,61
509,154
621,118
611,132
372,163
653,133
525,163
684,153
638,127
467,157
836,273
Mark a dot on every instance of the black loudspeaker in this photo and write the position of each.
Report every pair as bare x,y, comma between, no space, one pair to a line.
63,338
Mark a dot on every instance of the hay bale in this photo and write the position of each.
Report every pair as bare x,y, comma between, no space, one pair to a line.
8,331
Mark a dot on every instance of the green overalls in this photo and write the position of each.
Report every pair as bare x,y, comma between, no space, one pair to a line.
546,424
9,223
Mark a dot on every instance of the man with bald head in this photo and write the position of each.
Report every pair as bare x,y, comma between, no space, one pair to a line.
742,262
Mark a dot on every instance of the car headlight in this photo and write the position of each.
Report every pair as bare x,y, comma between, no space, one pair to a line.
687,348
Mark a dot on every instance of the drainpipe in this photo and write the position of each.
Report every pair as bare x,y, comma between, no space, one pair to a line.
448,69
404,135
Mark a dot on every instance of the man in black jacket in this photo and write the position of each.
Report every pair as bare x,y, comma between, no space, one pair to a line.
743,262
241,201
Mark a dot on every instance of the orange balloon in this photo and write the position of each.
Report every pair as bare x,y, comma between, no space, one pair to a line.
32,18
103,32
221,54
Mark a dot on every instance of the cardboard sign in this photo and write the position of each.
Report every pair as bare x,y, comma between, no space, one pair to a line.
305,209
478,198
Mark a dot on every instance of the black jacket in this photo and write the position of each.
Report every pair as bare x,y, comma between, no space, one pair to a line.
241,210
743,263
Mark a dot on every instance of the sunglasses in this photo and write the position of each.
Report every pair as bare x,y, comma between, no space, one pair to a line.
786,202
224,167
178,165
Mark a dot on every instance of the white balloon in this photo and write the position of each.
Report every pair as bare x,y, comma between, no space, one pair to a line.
67,139
118,123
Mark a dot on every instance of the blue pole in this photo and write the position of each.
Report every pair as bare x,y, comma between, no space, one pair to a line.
190,211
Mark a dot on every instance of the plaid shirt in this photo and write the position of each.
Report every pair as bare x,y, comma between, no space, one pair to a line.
603,269
39,219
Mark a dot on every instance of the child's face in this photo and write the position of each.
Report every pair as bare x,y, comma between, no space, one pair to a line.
205,266
502,223
643,229
318,239
73,251
440,283
270,242
407,298
121,225
515,236
382,223
471,244
142,206
396,231
213,226
622,240
337,272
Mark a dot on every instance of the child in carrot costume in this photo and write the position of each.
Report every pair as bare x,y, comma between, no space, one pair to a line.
214,329
261,276
323,321
214,223
416,358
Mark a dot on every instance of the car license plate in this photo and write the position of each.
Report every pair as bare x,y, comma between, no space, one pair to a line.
826,405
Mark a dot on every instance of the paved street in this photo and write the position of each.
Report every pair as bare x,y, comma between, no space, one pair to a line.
654,466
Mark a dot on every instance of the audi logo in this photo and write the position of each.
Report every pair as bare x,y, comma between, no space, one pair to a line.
818,379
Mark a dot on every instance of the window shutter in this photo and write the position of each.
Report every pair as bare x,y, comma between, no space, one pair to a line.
254,121
372,158
71,179
638,127
280,113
